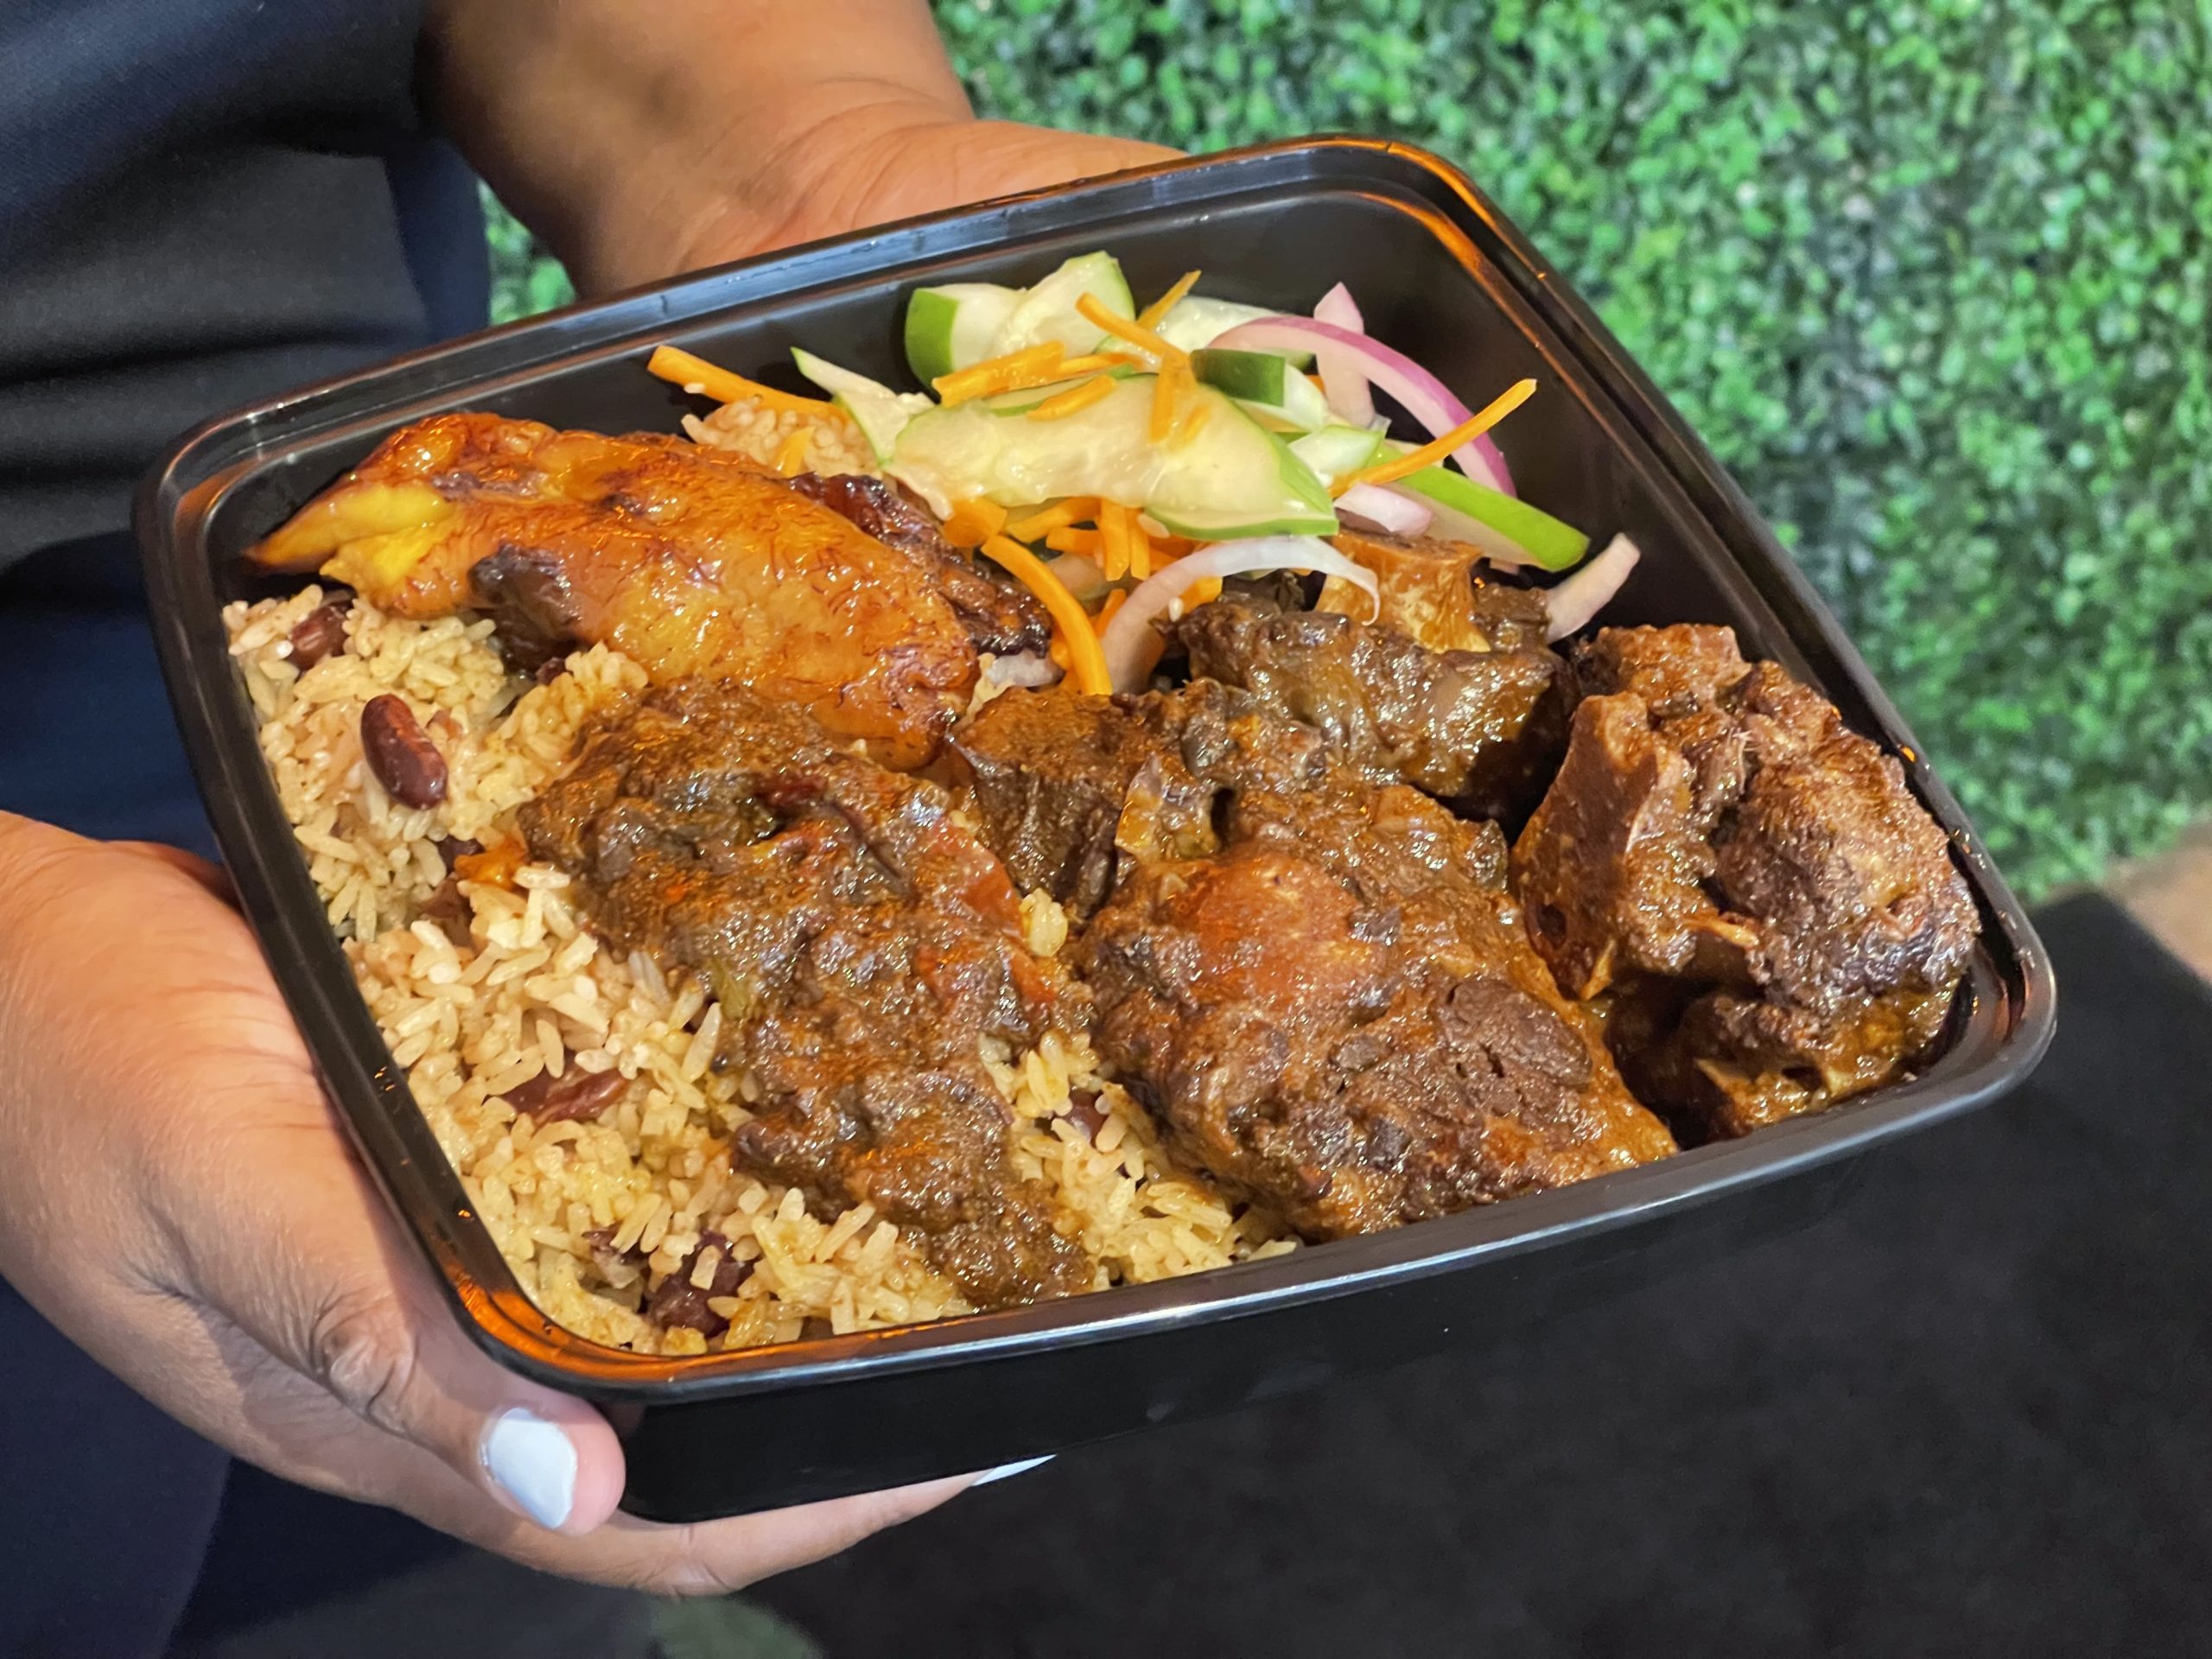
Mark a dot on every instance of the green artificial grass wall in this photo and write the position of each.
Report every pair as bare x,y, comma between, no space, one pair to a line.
1931,278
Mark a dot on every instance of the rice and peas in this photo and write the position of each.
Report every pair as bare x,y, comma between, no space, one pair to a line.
594,1215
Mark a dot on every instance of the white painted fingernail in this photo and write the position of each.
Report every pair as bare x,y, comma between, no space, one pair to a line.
1007,1470
533,1462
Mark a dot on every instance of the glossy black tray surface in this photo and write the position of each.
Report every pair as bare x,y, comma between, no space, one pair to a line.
1440,273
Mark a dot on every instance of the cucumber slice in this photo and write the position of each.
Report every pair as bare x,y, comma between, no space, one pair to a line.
880,413
1218,488
952,327
1232,478
1195,322
1497,522
1337,451
961,324
1047,311
1266,384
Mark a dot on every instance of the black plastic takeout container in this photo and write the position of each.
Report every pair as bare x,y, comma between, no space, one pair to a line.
1440,272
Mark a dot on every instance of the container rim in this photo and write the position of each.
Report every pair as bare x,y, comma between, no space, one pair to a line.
173,501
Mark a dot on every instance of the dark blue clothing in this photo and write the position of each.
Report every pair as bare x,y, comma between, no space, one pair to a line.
109,1502
87,740
202,203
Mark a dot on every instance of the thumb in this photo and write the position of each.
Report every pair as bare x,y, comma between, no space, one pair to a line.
334,1294
324,1284
387,1351
230,1212
273,1224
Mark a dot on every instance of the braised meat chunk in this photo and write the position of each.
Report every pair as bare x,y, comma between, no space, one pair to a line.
1709,797
1478,729
862,945
688,560
1714,822
1320,988
1851,880
1049,772
1069,787
1676,670
1736,1063
1614,865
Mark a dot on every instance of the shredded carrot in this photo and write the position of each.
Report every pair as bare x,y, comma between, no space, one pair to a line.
974,522
1153,314
1086,663
1430,453
790,454
1061,404
1204,591
1114,540
1166,390
1124,542
1067,539
681,368
1093,362
1139,547
1136,333
1196,413
1072,511
1032,365
1166,548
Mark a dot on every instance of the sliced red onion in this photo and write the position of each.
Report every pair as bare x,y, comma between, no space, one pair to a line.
1583,595
1387,508
1023,668
1131,644
1341,380
1427,399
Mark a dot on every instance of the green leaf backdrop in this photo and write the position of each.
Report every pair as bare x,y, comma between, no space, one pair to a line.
1934,280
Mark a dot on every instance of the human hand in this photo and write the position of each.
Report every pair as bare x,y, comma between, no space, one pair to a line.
176,1197
643,142
877,163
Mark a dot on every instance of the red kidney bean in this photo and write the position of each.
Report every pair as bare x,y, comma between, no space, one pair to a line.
678,1301
448,911
1085,1113
321,633
401,754
453,848
556,1100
